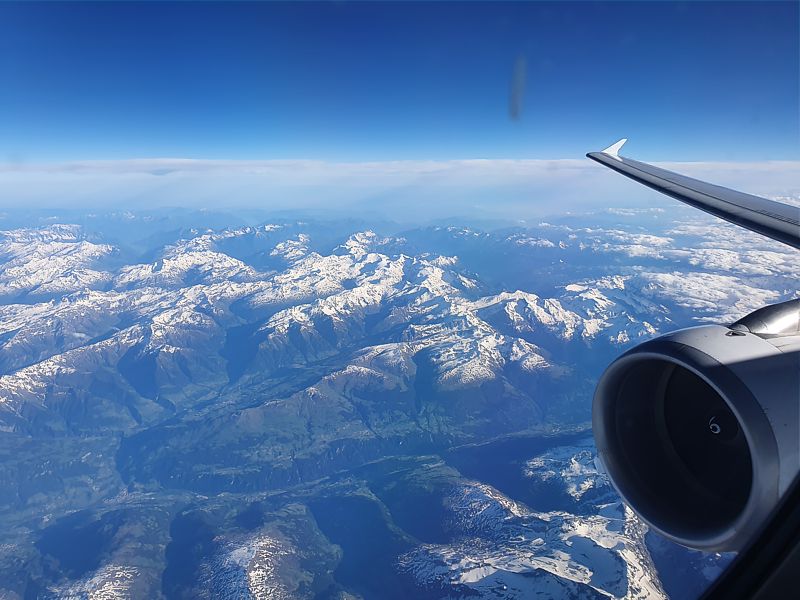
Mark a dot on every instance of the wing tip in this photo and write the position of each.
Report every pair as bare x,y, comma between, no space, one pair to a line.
613,149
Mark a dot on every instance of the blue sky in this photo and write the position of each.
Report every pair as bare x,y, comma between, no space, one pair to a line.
354,82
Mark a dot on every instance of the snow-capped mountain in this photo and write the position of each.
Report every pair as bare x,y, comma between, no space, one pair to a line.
504,547
53,260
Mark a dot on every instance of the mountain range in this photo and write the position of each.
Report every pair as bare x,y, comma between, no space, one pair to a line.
302,408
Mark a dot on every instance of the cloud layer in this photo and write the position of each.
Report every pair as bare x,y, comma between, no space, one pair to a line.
406,190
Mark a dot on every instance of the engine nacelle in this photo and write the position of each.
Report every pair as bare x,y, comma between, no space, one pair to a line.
699,430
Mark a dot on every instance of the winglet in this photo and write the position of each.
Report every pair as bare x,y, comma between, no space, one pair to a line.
613,149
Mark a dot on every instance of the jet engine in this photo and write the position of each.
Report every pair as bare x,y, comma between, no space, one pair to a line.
699,430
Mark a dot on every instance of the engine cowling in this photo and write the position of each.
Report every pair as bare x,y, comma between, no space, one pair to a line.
699,429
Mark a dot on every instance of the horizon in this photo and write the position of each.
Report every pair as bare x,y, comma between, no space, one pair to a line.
406,190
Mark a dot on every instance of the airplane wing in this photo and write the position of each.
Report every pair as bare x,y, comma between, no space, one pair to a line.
773,219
